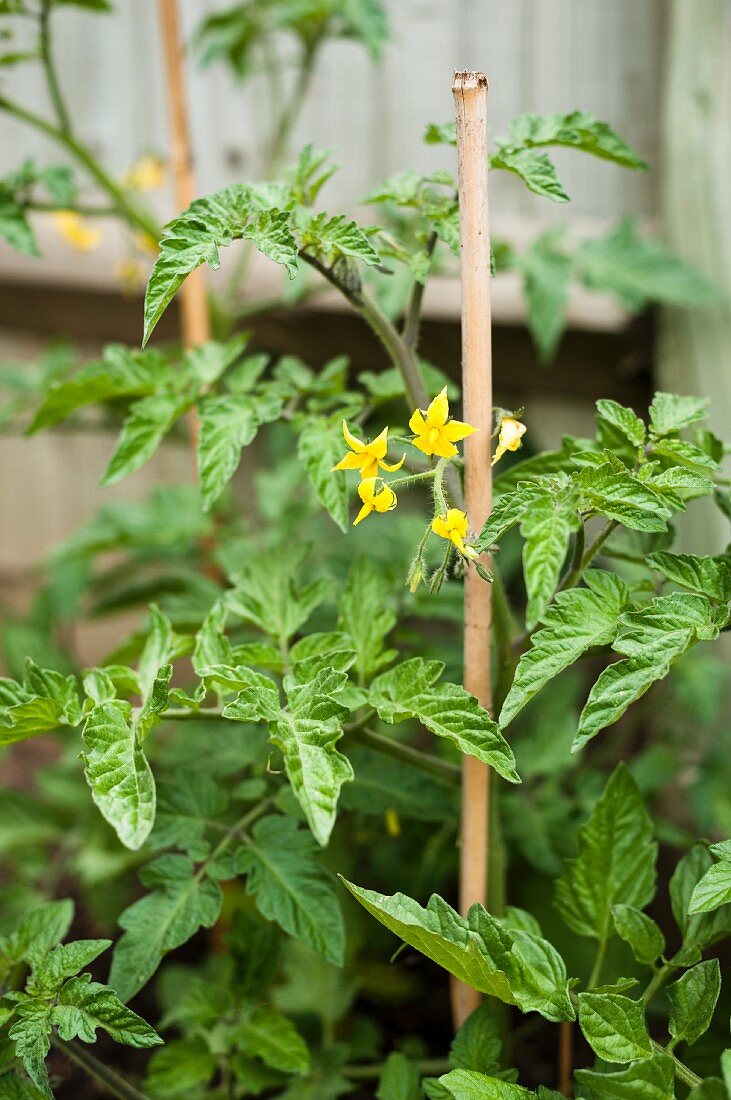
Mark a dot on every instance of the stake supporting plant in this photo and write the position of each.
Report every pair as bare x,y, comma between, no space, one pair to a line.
470,97
195,317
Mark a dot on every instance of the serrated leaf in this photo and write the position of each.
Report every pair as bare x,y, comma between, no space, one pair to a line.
713,889
291,887
227,425
704,575
184,809
577,620
268,1035
614,1026
143,431
15,229
36,933
181,902
31,1035
179,1067
546,272
699,929
83,1006
411,691
516,967
680,452
611,489
116,769
693,1001
382,784
546,527
669,412
652,639
64,961
510,509
624,420
196,236
477,1044
649,1079
319,449
335,237
615,864
465,1084
367,616
577,130
640,932
307,733
536,170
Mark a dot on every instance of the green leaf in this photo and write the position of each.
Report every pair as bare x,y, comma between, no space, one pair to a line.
577,620
116,769
577,130
335,237
143,431
477,1044
367,616
652,639
269,594
510,509
179,1067
15,229
640,932
624,420
516,967
400,1079
184,809
63,962
196,236
546,272
291,887
446,134
268,1035
611,489
181,902
411,691
615,863
319,449
121,372
699,929
669,412
614,1026
83,1006
31,1035
713,890
693,1001
638,270
546,527
678,451
649,1079
536,170
465,1084
227,424
704,575
36,933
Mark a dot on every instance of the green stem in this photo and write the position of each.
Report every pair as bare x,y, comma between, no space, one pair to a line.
598,542
577,560
656,981
76,208
427,1066
107,1078
681,1070
292,109
424,475
443,769
137,218
599,961
412,315
54,88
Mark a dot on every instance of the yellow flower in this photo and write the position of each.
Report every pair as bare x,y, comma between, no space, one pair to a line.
145,242
435,433
147,174
392,822
453,526
130,274
374,499
366,457
73,229
511,433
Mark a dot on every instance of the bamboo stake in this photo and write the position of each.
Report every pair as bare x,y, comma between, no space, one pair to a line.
195,318
565,1056
470,97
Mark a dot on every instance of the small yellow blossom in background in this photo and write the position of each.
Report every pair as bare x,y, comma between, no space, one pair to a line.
453,526
374,499
130,274
392,822
435,433
74,229
145,242
366,457
148,174
509,439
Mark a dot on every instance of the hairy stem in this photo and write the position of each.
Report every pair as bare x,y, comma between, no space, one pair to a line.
107,1078
412,315
407,754
54,88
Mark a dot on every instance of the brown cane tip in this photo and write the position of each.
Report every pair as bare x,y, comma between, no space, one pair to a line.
468,81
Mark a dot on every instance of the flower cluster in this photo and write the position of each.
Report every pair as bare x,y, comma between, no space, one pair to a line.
435,434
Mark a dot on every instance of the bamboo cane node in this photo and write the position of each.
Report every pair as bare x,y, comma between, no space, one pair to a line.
468,81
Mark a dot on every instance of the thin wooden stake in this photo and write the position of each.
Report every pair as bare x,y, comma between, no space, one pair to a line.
565,1056
195,318
470,97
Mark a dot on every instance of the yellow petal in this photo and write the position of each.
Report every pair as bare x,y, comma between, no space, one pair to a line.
385,500
511,433
369,464
423,444
457,520
457,540
350,461
438,411
353,442
443,447
417,422
393,467
367,491
457,429
379,446
440,526
365,511
501,449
